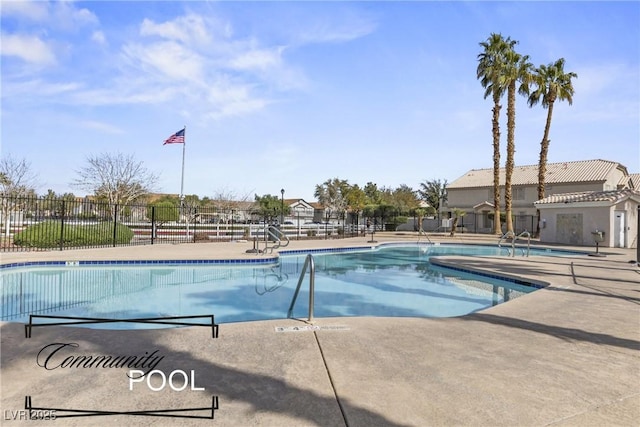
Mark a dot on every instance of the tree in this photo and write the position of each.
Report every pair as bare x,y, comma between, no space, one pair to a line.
16,177
118,179
17,182
332,195
373,194
225,199
420,214
356,198
551,84
404,199
165,211
516,69
457,214
270,206
434,192
54,204
356,201
489,72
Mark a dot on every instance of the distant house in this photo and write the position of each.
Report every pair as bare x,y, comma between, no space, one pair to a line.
473,192
579,218
299,211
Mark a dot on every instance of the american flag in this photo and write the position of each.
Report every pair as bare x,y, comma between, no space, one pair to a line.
176,138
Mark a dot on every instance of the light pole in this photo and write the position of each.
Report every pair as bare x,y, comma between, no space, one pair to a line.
281,207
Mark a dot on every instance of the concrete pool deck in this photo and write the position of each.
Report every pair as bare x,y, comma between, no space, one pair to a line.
565,355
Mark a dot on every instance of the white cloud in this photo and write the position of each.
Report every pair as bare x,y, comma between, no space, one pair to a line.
192,60
102,127
226,99
131,91
64,14
168,59
598,78
32,10
186,29
607,92
337,28
28,48
99,37
57,14
257,59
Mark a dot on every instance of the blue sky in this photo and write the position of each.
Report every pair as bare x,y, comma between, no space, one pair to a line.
290,94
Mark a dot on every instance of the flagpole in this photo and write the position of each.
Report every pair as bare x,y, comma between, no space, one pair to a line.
184,145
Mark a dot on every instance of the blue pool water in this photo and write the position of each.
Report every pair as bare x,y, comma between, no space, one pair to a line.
392,280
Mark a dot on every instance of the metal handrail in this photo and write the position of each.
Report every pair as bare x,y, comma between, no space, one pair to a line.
505,236
525,232
512,235
312,275
422,232
278,235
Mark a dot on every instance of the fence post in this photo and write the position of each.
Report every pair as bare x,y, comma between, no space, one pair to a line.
153,223
638,238
62,227
195,217
534,227
475,223
115,223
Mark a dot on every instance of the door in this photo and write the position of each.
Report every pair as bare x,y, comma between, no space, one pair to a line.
619,229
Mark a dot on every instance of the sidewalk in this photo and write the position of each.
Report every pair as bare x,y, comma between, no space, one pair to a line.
564,355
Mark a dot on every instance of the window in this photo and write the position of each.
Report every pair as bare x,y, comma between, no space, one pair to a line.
518,193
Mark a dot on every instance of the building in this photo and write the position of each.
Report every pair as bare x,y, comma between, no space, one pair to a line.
610,217
473,192
300,211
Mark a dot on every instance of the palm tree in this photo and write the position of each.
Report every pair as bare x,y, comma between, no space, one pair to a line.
489,71
434,192
457,214
516,69
552,84
331,195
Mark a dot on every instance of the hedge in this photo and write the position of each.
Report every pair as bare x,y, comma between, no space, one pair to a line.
47,235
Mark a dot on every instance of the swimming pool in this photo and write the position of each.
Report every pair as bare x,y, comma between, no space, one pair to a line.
389,280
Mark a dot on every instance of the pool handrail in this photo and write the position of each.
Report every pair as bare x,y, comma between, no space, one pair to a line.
308,262
278,235
421,233
514,238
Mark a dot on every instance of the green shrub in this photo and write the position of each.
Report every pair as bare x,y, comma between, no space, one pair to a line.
394,222
201,237
47,235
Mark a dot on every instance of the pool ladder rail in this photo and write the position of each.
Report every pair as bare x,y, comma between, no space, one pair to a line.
511,235
421,233
308,262
278,237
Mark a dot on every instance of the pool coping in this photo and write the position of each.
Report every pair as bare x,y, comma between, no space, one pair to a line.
444,262
246,261
440,260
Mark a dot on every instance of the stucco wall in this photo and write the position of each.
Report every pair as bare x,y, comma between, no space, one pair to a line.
630,208
466,198
557,222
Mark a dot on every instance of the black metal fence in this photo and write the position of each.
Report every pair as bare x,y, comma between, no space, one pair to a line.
472,223
32,224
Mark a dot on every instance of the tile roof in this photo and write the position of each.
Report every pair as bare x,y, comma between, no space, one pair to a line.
579,171
635,180
613,196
